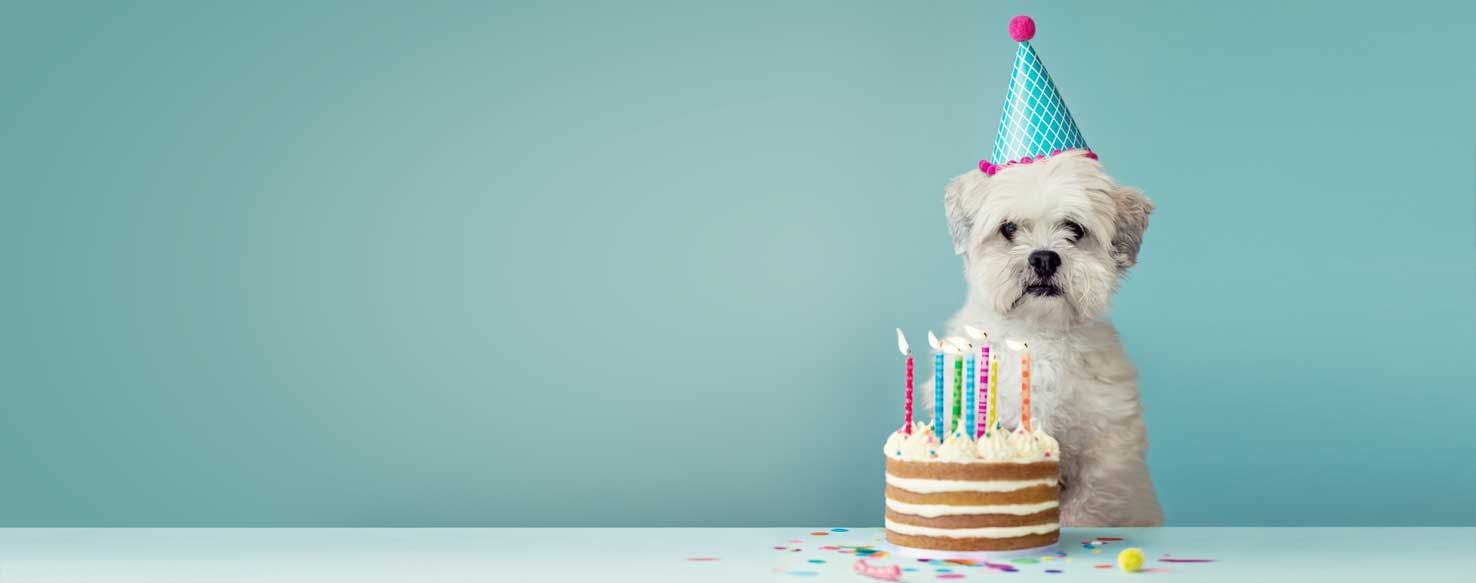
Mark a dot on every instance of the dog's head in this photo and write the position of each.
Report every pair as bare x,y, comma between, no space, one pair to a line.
1046,242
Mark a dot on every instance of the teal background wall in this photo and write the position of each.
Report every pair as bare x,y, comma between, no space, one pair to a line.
639,263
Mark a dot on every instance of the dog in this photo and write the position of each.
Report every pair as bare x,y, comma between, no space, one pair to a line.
1044,247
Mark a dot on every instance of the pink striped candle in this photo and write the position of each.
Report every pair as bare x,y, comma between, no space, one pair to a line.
981,420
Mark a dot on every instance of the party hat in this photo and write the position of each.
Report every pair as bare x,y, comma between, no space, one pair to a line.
1035,123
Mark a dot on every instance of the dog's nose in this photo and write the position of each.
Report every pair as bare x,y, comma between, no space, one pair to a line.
1045,262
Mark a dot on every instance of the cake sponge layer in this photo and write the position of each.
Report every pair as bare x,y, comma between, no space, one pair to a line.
973,544
1031,495
1003,471
1048,516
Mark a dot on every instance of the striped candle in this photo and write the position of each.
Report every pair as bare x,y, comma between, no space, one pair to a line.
906,408
938,381
957,391
1025,387
907,414
993,393
982,417
969,394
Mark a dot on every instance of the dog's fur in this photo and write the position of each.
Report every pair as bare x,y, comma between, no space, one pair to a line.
1083,386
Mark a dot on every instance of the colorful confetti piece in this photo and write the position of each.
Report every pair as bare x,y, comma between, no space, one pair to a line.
702,558
840,530
951,576
1053,570
1166,560
818,561
819,533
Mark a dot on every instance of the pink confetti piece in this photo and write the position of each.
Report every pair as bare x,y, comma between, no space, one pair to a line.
702,559
1167,560
951,576
887,573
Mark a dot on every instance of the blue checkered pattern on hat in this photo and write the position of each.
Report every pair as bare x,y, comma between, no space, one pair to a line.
1035,119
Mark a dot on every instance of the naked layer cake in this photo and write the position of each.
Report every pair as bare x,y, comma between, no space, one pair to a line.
999,493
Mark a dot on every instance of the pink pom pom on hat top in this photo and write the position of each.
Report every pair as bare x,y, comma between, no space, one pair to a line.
1022,28
1035,124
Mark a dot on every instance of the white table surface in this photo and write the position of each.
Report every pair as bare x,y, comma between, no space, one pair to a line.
1405,555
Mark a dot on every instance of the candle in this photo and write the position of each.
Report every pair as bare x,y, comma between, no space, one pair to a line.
937,384
993,392
969,395
956,347
979,413
1024,348
907,407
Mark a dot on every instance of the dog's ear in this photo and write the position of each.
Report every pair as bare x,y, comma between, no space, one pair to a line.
1132,220
961,200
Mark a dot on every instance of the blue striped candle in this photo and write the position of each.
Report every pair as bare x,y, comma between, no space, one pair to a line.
969,399
938,382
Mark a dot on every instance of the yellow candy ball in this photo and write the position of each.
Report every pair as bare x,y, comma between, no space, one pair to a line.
1130,559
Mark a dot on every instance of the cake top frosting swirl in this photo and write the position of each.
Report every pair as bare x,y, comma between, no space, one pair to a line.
1019,446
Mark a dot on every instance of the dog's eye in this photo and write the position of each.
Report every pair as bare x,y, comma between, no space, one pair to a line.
1077,231
1008,230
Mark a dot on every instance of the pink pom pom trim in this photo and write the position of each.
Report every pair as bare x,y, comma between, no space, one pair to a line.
991,168
1022,28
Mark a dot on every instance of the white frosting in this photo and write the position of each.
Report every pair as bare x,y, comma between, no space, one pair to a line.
957,448
936,510
893,448
918,446
1048,446
1025,445
994,448
1021,446
986,532
926,486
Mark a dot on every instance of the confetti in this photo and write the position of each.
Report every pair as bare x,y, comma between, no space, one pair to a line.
887,573
840,530
1024,561
818,561
1166,560
702,558
1053,570
951,576
819,533
803,573
1104,566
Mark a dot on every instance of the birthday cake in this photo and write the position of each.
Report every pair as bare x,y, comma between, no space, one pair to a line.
997,493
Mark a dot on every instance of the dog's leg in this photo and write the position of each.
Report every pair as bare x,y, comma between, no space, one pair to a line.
1109,485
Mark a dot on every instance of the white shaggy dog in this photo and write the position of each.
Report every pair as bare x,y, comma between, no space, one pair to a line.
1044,247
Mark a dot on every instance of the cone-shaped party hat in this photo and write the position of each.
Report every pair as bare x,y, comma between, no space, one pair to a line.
1035,123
